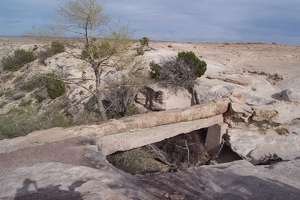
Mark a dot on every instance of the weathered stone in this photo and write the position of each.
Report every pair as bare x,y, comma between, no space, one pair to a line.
260,115
137,122
238,112
291,95
140,98
231,79
214,137
151,98
133,139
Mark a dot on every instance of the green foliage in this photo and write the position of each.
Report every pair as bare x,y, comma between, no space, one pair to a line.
180,71
13,95
55,87
28,119
18,95
155,70
39,98
25,102
17,60
33,83
96,50
56,47
140,51
7,77
169,46
131,109
144,41
9,93
18,78
189,57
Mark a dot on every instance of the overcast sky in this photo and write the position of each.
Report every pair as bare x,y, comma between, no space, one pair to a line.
177,20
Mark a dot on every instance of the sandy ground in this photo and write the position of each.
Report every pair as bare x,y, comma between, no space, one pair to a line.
270,58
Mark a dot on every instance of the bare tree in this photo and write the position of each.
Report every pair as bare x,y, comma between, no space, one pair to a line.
82,17
102,47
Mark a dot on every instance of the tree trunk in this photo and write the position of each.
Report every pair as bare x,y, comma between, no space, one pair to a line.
99,94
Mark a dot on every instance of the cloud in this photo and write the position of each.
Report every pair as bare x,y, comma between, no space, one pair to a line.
211,20
190,20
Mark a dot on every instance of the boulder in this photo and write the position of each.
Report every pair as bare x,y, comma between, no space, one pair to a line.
263,114
292,95
238,112
151,98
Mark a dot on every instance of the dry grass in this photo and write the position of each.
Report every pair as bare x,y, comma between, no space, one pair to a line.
282,130
262,131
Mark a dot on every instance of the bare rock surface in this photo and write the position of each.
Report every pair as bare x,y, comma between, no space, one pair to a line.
236,180
292,95
262,83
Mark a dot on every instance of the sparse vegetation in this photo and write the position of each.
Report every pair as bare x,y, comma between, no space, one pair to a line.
87,141
25,102
3,103
55,87
56,47
140,51
33,83
17,96
39,98
7,77
180,71
17,60
144,41
29,119
18,78
282,130
9,93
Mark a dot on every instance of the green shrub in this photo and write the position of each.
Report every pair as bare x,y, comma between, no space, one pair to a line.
30,120
140,51
56,47
169,46
9,93
25,102
55,87
7,77
17,60
34,83
180,71
96,50
18,78
131,109
155,70
189,57
43,55
39,98
144,41
18,96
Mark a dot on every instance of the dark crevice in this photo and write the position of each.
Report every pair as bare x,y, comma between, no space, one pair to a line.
170,155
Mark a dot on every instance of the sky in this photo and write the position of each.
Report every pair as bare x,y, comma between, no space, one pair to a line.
265,21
